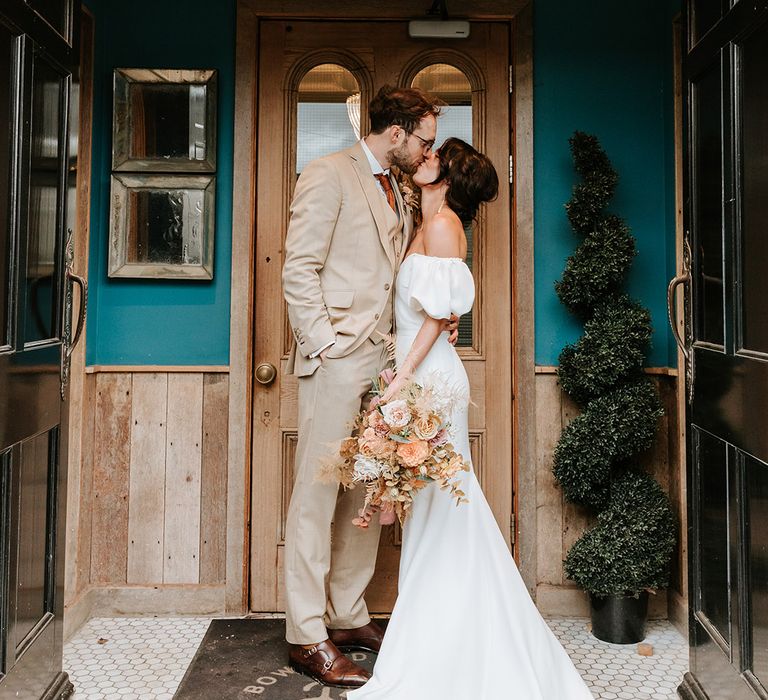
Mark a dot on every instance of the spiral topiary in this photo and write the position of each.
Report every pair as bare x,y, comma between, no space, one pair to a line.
631,546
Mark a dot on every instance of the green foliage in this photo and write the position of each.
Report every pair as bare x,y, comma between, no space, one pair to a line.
592,195
612,428
598,266
611,350
630,547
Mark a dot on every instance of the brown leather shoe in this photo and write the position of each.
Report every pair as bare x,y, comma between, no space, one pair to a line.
324,663
366,638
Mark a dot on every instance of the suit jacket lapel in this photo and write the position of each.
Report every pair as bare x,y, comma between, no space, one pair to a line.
406,218
375,201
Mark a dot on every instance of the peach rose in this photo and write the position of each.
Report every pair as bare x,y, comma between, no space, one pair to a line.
427,428
412,454
376,421
374,445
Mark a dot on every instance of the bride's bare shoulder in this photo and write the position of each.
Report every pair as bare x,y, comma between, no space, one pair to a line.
444,236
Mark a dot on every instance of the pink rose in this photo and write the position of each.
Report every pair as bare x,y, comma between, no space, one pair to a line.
440,439
396,413
414,453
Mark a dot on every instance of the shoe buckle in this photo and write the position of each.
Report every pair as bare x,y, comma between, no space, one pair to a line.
309,652
326,666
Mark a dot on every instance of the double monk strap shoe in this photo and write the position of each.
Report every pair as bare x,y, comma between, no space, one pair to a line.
324,663
366,638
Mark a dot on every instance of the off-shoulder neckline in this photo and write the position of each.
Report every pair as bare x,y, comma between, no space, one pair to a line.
431,257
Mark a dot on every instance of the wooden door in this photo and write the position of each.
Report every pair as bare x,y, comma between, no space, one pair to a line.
38,72
315,82
727,221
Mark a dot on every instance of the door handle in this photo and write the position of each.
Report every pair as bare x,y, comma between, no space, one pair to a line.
684,278
68,342
83,284
265,373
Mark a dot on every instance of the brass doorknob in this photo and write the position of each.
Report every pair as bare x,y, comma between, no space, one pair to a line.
265,373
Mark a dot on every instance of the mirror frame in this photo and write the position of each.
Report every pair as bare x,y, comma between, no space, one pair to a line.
122,184
123,79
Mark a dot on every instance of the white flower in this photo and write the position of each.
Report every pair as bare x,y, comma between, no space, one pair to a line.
367,468
396,413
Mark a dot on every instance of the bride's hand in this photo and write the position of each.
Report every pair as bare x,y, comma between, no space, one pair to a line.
392,390
452,326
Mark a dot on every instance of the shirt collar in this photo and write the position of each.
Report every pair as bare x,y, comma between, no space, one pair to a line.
375,165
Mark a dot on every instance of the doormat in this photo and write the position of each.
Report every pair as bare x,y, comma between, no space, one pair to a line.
248,659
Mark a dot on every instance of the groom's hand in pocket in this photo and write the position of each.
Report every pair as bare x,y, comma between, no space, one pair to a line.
452,326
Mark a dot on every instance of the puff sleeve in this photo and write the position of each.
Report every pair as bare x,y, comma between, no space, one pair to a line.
440,286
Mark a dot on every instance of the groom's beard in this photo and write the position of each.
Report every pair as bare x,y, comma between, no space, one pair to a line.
402,159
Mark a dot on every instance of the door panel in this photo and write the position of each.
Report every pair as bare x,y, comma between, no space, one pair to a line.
726,218
315,84
38,66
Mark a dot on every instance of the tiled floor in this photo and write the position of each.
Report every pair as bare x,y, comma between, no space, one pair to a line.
145,658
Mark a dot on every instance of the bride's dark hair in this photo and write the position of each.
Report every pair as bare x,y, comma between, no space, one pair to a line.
470,175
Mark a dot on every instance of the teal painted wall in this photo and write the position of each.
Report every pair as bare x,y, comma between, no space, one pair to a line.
164,321
605,68
602,67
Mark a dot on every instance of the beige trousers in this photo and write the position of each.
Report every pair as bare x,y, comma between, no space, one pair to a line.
326,573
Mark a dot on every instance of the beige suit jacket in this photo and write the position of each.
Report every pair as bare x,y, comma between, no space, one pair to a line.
339,257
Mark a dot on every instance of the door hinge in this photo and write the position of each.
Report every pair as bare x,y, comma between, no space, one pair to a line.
511,79
511,170
512,529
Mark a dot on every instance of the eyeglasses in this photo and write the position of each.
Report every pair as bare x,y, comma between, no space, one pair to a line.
427,144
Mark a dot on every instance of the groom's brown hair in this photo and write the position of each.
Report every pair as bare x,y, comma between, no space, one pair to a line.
404,107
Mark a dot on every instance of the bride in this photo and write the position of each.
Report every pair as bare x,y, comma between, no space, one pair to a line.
464,625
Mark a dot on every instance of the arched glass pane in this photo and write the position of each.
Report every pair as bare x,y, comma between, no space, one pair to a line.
328,118
452,86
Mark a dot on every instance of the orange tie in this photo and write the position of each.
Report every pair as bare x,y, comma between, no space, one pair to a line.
387,185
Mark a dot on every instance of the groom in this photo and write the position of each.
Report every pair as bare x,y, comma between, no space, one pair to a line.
348,233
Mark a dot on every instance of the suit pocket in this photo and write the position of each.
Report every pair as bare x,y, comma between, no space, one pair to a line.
339,298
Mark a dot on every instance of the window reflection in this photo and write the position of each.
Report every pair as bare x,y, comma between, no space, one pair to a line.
328,113
453,87
44,203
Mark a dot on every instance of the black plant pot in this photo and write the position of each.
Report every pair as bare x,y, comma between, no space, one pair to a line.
619,619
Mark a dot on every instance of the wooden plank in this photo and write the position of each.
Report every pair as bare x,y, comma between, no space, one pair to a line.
112,443
549,496
369,9
241,324
213,488
523,378
78,548
84,521
147,480
183,454
95,369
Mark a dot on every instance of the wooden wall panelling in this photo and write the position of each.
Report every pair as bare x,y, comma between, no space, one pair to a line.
147,479
84,524
112,454
213,487
183,455
549,496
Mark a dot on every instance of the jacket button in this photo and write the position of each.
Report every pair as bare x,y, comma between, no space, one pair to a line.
386,286
377,317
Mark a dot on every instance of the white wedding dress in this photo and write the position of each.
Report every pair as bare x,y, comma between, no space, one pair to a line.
464,626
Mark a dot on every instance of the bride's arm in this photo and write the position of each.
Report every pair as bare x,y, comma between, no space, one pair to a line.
441,240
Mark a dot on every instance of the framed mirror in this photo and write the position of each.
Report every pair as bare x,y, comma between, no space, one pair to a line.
161,226
164,120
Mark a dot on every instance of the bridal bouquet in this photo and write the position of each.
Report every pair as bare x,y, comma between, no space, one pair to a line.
398,448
